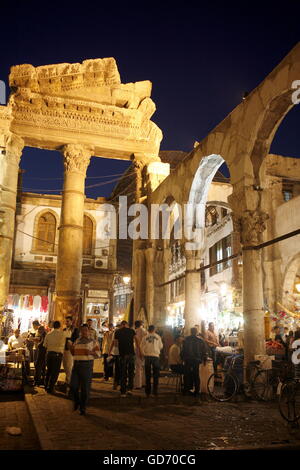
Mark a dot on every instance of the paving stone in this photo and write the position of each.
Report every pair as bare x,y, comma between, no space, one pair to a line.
139,423
16,414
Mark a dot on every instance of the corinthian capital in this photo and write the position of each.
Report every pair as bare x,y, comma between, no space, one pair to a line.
14,146
252,225
76,158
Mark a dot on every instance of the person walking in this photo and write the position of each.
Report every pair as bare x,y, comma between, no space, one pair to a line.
114,352
125,338
139,360
31,343
151,345
106,344
71,334
193,354
84,351
54,342
103,329
40,365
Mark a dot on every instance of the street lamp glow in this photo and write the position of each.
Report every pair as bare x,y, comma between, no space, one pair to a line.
126,279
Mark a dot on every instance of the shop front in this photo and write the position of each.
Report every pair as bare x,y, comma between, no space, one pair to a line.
24,305
96,307
222,308
175,314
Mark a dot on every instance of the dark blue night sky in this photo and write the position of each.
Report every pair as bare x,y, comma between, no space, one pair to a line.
200,60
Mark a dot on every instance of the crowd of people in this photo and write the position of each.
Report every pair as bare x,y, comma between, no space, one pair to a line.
285,337
132,357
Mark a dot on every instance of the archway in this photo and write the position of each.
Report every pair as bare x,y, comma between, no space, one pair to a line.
210,239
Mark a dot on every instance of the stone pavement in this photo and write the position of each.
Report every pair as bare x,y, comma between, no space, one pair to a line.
169,422
14,412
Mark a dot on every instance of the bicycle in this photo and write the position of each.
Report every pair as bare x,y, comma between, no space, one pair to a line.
268,382
289,398
224,384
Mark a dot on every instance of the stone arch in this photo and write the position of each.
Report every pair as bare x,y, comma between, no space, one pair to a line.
195,211
35,248
271,119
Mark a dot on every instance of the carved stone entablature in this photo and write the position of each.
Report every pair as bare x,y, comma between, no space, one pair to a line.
76,158
71,114
51,104
252,225
95,81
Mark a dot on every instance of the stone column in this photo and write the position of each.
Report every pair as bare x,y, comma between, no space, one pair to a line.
9,168
192,290
252,225
272,198
69,259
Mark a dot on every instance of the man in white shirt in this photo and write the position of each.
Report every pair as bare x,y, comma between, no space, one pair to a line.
139,361
151,345
55,344
174,359
15,341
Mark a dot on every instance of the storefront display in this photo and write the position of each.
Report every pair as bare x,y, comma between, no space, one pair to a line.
175,314
22,310
96,307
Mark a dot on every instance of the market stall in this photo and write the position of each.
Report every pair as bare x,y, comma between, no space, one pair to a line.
22,310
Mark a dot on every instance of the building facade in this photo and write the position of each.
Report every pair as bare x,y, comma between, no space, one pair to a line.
32,291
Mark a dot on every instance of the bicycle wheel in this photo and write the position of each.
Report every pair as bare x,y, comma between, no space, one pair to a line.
222,386
289,401
264,385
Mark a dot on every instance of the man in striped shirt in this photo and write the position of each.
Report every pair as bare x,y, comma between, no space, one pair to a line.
84,350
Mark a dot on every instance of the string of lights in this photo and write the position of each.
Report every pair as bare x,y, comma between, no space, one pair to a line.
56,244
103,183
61,177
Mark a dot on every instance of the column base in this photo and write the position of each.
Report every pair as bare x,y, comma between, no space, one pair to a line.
65,306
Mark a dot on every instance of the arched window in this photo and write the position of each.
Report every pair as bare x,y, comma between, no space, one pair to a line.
46,230
87,242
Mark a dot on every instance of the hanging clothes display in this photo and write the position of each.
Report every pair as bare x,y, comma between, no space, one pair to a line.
26,301
16,300
25,308
37,300
30,302
44,306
